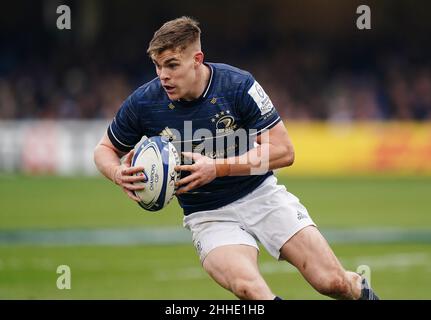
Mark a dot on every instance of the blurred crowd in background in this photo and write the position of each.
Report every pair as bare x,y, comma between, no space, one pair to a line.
309,72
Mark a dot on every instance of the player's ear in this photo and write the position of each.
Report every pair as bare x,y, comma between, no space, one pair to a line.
198,58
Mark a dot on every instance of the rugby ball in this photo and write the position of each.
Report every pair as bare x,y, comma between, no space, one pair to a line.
159,157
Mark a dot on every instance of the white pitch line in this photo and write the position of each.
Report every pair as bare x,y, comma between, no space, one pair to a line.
178,235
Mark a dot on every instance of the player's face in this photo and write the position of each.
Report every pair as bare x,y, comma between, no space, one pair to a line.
177,72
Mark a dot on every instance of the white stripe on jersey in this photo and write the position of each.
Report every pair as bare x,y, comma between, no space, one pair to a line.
127,146
252,134
209,83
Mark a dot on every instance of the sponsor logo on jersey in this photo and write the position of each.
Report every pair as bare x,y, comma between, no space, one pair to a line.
167,133
261,98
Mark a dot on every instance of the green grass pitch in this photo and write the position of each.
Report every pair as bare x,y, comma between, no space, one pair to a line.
399,271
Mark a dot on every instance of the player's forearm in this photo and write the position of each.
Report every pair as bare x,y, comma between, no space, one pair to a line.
106,160
259,160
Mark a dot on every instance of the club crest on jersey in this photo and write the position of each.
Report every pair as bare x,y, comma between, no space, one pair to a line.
224,122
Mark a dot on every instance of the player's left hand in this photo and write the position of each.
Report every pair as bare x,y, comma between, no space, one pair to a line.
203,171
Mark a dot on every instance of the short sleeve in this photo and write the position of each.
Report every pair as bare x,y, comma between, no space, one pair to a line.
124,130
256,107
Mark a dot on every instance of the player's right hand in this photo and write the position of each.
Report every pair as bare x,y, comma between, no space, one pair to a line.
125,178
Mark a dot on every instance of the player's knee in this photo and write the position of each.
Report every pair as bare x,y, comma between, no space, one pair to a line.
334,285
248,289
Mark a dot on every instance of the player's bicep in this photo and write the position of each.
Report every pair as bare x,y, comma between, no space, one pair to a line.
280,143
277,135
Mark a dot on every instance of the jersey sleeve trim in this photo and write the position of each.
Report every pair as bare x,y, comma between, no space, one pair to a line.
271,125
116,142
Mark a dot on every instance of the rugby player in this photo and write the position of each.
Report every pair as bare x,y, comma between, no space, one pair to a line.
229,194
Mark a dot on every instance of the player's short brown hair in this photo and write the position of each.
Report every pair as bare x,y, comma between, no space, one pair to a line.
174,34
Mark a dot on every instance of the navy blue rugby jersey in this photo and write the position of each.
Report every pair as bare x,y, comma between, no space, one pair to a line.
213,125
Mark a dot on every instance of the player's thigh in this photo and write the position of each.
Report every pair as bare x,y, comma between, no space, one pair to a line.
230,263
309,251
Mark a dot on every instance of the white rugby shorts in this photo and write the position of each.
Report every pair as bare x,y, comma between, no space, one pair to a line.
269,214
